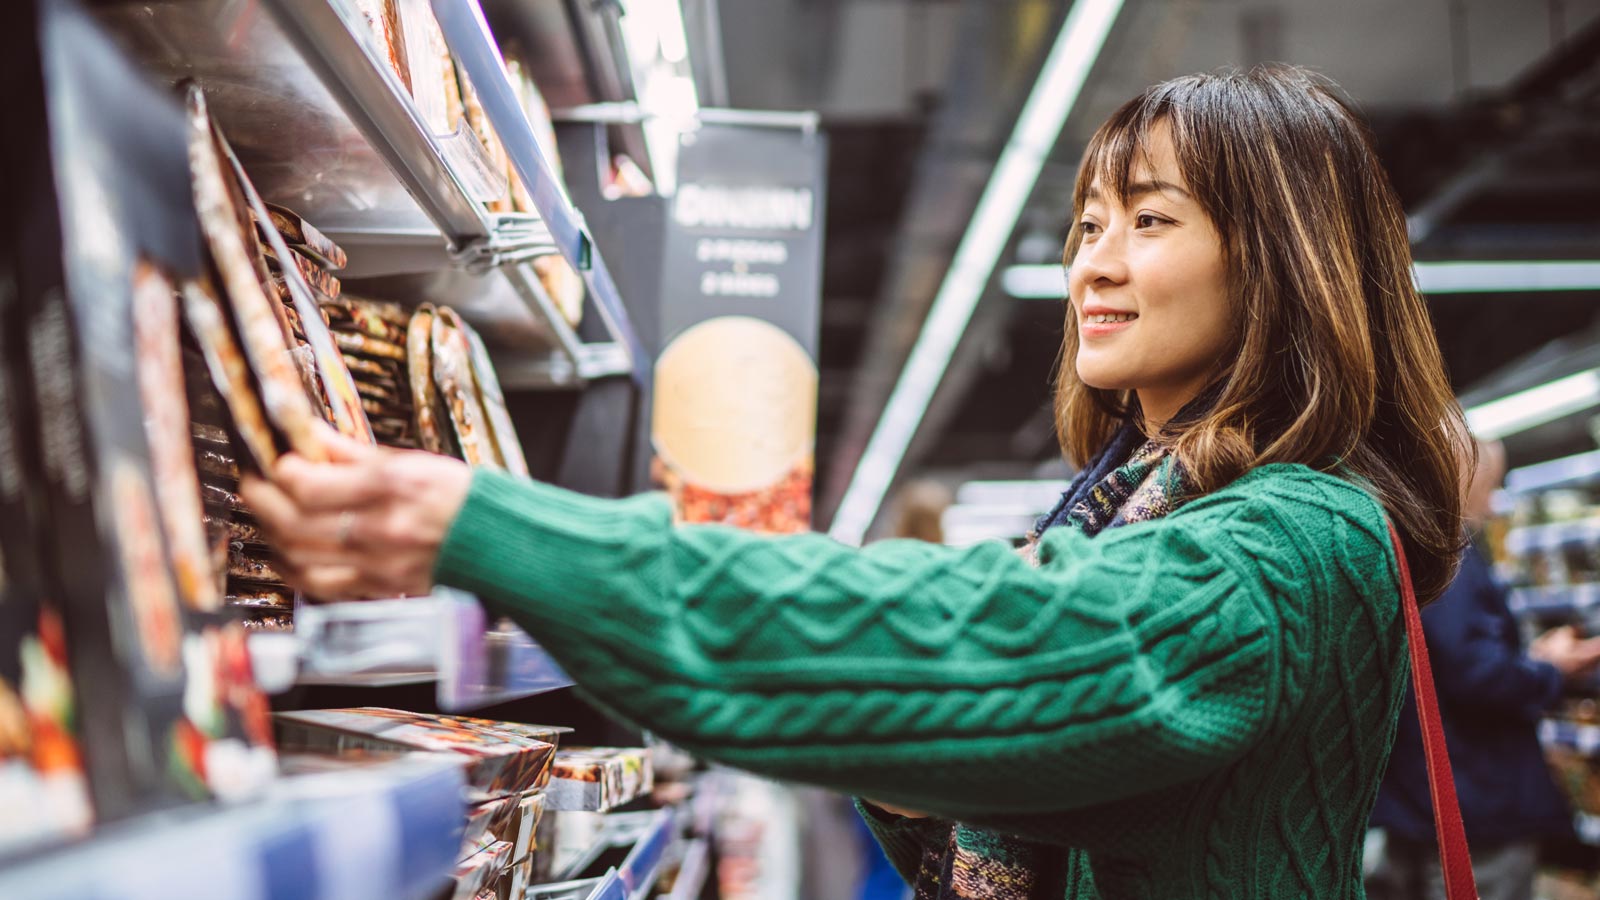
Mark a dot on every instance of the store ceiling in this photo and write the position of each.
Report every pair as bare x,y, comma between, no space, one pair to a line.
1487,113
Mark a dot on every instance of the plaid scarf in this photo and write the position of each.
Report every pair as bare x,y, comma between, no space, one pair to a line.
1133,479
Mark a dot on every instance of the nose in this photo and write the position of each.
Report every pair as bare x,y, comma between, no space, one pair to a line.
1101,262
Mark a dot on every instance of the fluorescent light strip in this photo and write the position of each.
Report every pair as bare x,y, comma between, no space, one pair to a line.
1483,277
1049,281
1015,174
1535,406
1035,495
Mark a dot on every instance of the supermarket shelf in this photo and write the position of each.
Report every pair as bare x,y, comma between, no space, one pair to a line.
1571,735
325,128
648,833
1532,538
624,776
389,832
1569,471
1557,598
693,870
320,125
443,173
443,638
608,888
576,54
643,865
383,252
467,33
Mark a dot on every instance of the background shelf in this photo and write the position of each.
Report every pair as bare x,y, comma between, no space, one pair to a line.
325,128
1580,532
1566,472
443,638
1574,736
1557,598
388,832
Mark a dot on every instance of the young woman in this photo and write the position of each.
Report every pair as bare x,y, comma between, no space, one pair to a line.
1189,692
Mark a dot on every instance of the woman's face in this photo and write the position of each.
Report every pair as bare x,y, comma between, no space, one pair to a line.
1149,288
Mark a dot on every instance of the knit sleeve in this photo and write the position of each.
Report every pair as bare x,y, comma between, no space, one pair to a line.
905,842
962,682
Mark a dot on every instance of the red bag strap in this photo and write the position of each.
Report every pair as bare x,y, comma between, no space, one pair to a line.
1454,858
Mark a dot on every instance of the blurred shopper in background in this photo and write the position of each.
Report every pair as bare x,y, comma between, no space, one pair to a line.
1492,693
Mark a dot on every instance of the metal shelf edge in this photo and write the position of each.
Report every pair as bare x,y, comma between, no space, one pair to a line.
467,33
376,103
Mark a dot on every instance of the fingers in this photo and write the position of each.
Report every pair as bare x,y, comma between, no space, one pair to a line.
331,486
344,449
333,582
273,508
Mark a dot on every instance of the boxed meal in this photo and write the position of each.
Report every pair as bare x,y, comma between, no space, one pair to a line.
44,791
511,819
110,232
497,764
516,879
599,778
481,870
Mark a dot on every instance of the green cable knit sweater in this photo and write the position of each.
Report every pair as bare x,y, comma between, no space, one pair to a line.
1199,706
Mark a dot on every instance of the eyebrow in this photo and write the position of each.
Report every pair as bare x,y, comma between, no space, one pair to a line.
1140,188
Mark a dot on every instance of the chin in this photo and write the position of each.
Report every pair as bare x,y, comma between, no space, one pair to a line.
1098,377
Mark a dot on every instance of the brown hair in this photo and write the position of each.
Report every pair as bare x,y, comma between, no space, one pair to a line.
1335,364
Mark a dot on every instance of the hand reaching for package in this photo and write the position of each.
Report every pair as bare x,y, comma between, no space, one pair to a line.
1561,647
367,523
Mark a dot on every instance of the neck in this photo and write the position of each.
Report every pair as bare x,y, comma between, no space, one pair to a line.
1158,407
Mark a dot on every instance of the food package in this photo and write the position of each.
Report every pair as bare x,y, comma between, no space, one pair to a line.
516,879
330,377
303,236
432,73
538,115
385,322
522,824
496,764
324,281
175,715
265,340
495,151
597,779
230,374
564,285
480,816
383,23
501,432
510,819
44,790
480,871
375,333
458,388
425,398
549,734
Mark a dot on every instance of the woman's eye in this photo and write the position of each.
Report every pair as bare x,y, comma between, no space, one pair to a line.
1088,227
1145,220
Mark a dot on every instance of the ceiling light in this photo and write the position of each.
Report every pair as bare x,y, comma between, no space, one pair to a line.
1049,281
1015,174
1509,277
1535,406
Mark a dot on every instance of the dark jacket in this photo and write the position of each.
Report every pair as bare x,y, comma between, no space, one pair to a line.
1491,696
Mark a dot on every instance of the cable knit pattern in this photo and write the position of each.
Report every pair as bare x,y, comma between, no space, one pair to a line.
1198,706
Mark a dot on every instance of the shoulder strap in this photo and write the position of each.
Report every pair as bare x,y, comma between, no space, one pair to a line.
1454,858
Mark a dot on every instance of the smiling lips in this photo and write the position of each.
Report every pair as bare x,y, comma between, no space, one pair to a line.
1104,324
